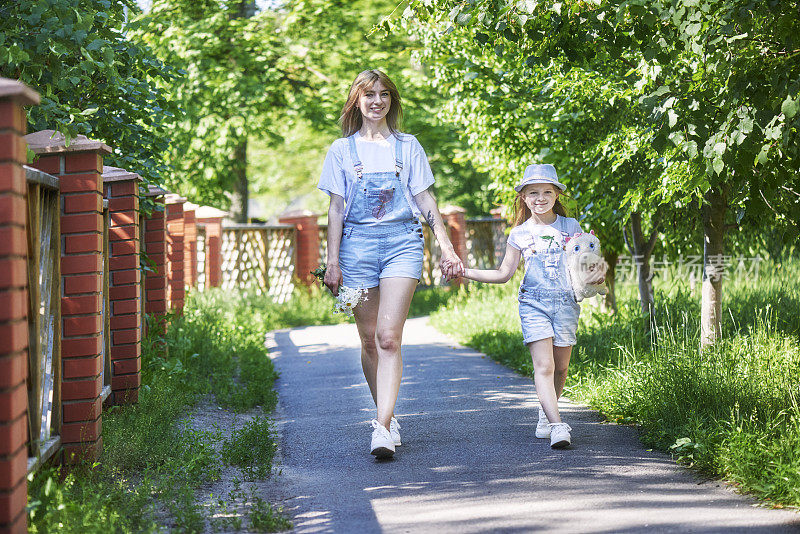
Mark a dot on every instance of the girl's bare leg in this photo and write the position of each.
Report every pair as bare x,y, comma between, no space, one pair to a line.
561,356
543,376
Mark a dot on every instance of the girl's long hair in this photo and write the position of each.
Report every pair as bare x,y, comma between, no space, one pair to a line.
351,119
522,213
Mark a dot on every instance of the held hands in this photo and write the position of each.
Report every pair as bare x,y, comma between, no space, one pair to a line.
451,266
333,278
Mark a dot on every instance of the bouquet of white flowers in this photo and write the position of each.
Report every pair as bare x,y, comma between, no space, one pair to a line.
348,297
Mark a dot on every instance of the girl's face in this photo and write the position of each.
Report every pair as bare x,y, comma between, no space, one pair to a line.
540,198
374,102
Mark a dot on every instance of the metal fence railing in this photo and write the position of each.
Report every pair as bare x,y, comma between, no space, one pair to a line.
44,316
259,257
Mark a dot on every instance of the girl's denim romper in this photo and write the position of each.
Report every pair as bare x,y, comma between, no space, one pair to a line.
547,306
381,237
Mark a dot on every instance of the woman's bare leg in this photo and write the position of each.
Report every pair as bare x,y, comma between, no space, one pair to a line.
394,301
366,315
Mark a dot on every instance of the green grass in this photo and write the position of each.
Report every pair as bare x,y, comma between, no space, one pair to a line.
152,460
730,411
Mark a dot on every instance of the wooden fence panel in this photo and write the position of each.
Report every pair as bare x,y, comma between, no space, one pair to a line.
260,258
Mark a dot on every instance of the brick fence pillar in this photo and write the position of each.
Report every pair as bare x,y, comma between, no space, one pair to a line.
122,192
176,289
306,243
189,246
213,250
78,167
13,307
457,227
155,249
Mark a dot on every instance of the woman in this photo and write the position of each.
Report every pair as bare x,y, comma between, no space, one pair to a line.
378,181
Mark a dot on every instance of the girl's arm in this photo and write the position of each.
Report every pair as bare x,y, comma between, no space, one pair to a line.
502,274
333,274
451,265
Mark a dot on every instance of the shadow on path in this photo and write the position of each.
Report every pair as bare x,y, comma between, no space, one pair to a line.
469,461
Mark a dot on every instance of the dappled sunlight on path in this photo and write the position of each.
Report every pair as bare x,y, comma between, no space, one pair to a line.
469,461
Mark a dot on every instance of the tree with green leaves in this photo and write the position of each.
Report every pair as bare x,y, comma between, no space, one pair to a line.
93,80
238,79
713,86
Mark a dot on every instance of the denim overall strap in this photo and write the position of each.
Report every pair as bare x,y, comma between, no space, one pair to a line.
359,168
398,155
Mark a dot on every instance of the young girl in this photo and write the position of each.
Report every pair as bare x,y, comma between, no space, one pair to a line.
547,306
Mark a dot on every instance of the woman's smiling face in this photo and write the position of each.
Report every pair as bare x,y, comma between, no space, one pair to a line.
374,102
540,198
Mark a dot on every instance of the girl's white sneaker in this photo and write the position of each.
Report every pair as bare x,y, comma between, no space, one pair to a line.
543,425
382,444
559,435
394,430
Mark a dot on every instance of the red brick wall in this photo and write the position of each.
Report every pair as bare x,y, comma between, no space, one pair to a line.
213,250
124,289
190,248
175,278
13,308
155,247
306,245
79,172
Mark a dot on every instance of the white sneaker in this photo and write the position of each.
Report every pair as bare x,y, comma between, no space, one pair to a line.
543,426
382,443
559,435
394,430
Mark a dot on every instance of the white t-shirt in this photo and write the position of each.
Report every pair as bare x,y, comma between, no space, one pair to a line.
530,238
339,175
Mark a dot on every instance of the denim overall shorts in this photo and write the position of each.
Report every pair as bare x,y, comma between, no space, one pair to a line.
547,305
381,237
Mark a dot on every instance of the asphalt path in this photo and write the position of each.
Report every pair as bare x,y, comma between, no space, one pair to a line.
469,460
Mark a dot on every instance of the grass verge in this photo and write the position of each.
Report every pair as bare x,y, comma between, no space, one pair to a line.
731,411
153,461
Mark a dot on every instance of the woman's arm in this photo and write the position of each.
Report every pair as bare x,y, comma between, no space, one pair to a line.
502,274
333,274
451,264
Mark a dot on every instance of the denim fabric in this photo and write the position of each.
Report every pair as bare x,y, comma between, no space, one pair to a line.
548,313
369,253
547,306
377,197
381,237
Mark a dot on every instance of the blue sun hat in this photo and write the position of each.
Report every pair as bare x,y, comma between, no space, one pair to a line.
540,173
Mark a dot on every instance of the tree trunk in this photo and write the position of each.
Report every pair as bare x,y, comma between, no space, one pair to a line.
641,248
240,196
609,303
713,212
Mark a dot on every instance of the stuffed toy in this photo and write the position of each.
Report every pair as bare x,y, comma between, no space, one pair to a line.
584,257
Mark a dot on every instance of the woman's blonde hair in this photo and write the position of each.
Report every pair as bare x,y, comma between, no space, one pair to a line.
351,119
522,213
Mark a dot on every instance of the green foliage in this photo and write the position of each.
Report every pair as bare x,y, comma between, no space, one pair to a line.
92,79
265,518
730,411
152,457
236,77
251,448
639,104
